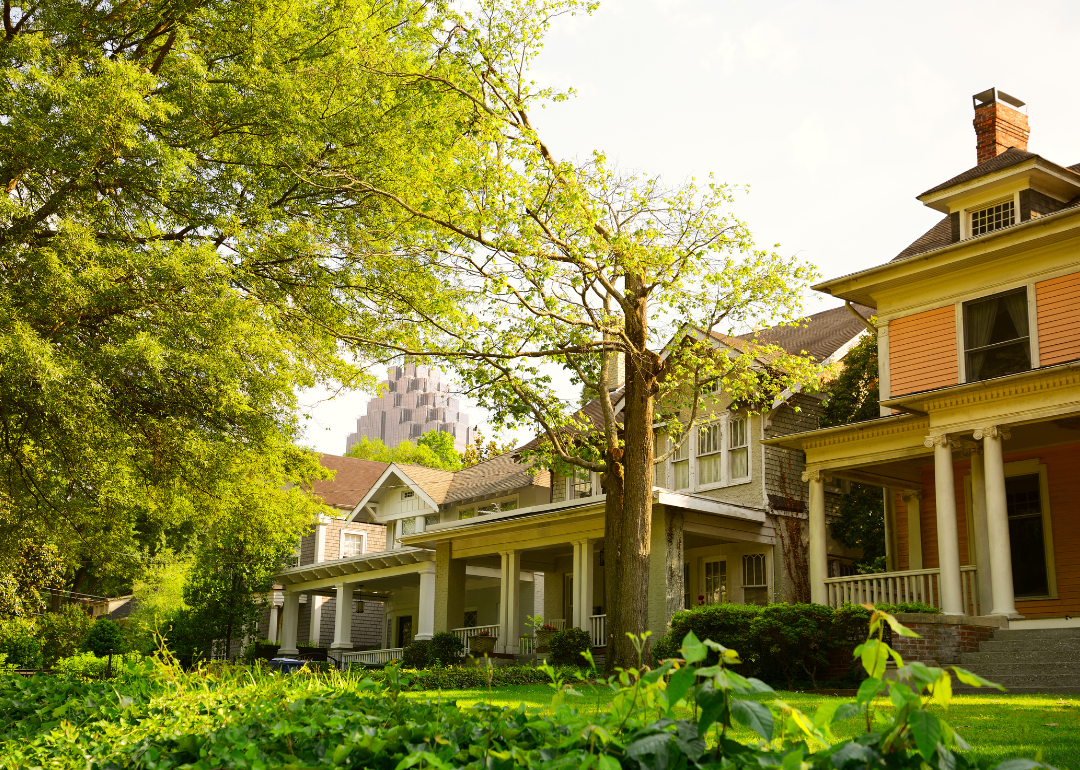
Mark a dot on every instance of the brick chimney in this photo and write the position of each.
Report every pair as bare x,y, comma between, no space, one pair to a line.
1001,122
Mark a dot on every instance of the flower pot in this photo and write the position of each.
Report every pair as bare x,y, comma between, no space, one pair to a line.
542,640
479,645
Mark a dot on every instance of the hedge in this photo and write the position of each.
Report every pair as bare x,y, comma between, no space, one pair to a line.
469,677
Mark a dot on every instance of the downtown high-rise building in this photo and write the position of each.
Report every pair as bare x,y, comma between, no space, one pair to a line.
413,400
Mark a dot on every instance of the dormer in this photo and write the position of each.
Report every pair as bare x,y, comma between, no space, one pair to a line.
1009,185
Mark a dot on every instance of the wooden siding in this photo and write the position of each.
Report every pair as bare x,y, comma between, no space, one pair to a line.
1057,301
1064,483
922,351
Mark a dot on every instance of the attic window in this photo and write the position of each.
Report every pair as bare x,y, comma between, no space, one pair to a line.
992,218
407,494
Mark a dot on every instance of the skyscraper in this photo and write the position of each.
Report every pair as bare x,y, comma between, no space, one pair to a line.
413,400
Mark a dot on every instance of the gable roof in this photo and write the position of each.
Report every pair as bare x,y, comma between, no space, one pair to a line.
353,479
499,474
434,482
820,335
1010,157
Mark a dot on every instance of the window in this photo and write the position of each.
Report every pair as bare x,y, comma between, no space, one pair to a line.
740,452
408,495
992,218
712,386
996,336
1023,497
755,583
470,619
715,582
293,559
407,527
431,519
580,484
503,507
352,544
680,465
466,513
708,453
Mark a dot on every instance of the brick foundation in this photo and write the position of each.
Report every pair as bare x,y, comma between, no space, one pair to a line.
944,638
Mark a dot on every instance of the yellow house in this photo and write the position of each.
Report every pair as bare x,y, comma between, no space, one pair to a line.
978,442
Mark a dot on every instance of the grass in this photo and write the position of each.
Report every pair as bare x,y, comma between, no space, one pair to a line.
998,727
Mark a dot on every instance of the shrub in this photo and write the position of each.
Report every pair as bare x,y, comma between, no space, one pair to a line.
87,665
61,633
568,645
19,643
104,637
909,607
792,640
471,677
446,648
728,624
416,655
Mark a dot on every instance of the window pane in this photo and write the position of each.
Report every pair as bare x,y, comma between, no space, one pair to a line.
431,519
352,545
1026,536
709,439
996,336
466,513
582,484
740,467
682,474
408,526
683,452
470,619
754,570
738,432
709,469
715,582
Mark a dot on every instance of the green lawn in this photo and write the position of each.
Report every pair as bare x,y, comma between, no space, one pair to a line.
997,726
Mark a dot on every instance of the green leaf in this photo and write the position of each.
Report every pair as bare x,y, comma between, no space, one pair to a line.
869,690
899,628
974,680
712,704
754,715
608,763
693,651
874,654
679,685
926,730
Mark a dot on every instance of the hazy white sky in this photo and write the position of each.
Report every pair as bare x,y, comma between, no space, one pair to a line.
835,114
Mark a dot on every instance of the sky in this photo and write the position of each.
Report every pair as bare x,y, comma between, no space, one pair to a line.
834,115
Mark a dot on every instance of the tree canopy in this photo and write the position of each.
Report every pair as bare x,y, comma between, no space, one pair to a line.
178,253
433,450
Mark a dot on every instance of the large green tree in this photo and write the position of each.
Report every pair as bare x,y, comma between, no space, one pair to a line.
573,264
179,252
433,450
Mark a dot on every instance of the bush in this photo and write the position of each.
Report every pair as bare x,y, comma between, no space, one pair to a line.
728,624
470,677
416,655
446,648
61,633
567,647
104,637
87,665
19,643
914,608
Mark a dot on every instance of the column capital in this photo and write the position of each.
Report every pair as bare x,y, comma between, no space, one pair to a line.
943,440
911,494
970,448
816,475
992,431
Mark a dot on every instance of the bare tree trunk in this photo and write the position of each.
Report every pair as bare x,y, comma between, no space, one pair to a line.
642,367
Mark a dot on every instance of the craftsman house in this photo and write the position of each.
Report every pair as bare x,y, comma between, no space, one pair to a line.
412,551
978,441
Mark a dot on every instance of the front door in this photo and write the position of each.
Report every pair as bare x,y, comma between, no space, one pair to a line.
404,630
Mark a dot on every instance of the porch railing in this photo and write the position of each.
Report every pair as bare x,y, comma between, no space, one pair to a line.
464,634
370,657
919,585
598,630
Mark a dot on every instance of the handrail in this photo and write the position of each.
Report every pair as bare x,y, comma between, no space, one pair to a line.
919,585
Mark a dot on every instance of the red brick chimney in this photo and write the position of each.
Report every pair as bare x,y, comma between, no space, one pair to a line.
1001,122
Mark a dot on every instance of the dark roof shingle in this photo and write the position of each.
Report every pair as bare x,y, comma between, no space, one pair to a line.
1010,157
499,474
937,236
820,334
353,479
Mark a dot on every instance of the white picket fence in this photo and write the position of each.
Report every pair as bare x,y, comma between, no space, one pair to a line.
919,585
598,630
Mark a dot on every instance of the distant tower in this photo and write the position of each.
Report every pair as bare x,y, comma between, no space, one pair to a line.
413,401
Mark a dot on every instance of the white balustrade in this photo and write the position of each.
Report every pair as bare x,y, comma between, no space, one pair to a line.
370,657
559,624
598,630
919,585
464,634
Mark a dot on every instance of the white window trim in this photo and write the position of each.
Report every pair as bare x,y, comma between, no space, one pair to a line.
725,471
1033,322
731,480
341,543
965,214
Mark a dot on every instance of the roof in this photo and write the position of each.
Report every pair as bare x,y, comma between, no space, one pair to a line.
499,474
937,236
352,480
1010,157
435,483
820,334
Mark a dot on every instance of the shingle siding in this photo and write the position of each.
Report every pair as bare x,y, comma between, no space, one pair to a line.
784,467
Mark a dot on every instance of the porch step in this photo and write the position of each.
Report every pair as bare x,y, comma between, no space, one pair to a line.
1045,660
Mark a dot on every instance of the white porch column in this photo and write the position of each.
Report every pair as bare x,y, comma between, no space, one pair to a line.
947,532
271,632
584,577
914,527
509,591
819,544
997,521
981,534
425,622
290,614
343,617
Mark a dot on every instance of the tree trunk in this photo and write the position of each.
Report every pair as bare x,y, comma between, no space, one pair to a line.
612,482
636,526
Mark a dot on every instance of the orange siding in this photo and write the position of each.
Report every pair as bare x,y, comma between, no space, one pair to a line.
1064,482
922,351
1057,302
